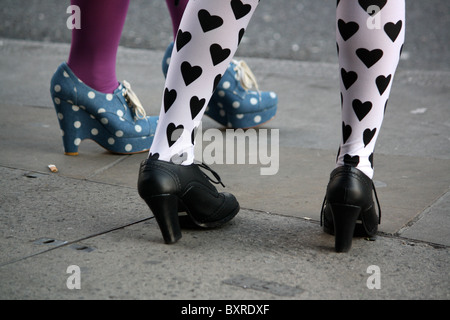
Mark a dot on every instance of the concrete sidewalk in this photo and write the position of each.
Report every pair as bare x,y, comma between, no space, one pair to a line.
90,215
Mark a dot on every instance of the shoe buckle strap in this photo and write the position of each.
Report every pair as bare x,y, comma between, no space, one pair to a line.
133,101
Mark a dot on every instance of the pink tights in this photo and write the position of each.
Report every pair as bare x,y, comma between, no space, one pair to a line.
94,47
93,50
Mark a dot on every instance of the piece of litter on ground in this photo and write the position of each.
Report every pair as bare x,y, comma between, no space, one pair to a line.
307,218
52,168
419,111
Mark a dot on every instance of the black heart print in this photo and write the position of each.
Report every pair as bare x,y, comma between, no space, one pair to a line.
240,10
369,58
351,161
346,131
196,105
368,135
371,160
241,34
193,134
361,109
190,73
209,22
169,98
382,83
348,78
367,4
347,29
173,133
216,81
393,30
183,39
218,54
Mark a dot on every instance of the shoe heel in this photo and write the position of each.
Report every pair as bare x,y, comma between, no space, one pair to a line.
344,217
76,125
165,210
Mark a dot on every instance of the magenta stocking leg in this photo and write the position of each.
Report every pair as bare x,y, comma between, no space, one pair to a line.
94,47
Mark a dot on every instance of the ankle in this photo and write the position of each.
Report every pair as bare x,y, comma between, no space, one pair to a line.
104,81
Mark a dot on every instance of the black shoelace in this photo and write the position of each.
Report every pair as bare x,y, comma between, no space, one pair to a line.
215,174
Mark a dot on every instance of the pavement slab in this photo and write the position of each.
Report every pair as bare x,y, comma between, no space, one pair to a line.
89,214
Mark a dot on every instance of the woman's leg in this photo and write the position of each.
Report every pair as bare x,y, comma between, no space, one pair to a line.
94,47
237,102
89,101
369,41
206,41
369,50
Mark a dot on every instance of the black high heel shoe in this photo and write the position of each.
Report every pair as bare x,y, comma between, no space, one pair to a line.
165,186
348,209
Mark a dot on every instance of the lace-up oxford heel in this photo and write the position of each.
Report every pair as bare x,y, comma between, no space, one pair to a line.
116,121
165,187
234,104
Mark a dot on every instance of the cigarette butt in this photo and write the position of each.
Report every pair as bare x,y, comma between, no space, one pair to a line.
52,168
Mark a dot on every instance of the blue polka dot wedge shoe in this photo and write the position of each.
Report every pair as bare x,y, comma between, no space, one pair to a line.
233,103
116,121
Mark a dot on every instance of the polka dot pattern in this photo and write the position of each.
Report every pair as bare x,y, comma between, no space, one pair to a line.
107,119
235,107
231,99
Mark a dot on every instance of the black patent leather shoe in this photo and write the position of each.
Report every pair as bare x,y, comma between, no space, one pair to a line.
166,187
348,209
